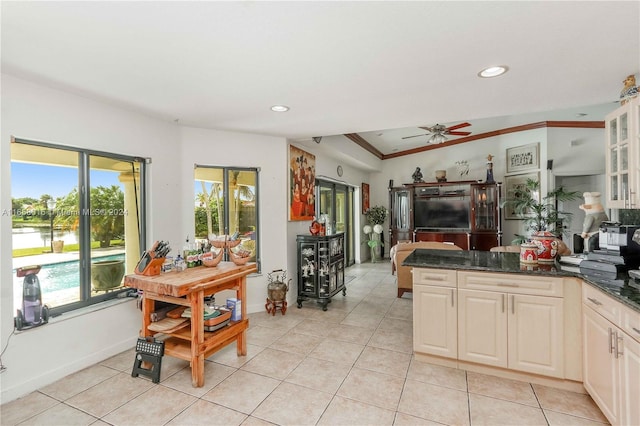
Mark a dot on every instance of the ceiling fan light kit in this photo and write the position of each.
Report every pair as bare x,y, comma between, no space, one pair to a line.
437,138
439,131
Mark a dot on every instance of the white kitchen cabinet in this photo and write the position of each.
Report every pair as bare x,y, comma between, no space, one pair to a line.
629,359
622,129
435,329
482,327
600,368
535,334
611,356
519,332
436,325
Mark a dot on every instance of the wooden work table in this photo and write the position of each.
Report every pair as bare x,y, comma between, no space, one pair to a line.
189,288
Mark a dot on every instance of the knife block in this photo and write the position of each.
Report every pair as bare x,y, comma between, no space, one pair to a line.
154,267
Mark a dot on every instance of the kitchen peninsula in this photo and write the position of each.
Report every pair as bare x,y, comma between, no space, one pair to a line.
485,312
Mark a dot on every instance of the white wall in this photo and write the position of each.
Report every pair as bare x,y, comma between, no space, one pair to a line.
576,152
326,167
218,148
554,143
37,357
69,343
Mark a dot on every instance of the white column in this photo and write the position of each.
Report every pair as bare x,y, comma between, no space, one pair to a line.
131,234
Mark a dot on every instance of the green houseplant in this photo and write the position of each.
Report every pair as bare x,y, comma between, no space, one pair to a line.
375,216
539,215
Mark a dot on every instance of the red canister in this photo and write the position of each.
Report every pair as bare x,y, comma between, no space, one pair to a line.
528,253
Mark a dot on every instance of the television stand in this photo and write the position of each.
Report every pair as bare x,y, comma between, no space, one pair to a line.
457,237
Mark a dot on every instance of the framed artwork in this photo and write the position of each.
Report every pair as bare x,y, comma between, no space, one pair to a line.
365,197
302,180
523,158
511,184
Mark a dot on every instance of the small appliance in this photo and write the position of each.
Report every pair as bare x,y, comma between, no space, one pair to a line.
33,312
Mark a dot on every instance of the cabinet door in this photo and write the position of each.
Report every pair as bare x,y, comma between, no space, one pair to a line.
435,324
482,327
401,217
307,269
484,241
629,363
620,186
536,335
600,372
484,208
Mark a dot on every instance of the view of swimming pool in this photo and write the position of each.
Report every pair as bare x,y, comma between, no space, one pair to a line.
56,277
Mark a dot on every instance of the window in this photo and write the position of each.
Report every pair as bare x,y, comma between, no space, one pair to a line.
79,215
226,202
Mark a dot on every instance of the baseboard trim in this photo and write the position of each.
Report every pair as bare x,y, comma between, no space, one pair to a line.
568,385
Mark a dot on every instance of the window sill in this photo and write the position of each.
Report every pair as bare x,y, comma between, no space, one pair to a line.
85,311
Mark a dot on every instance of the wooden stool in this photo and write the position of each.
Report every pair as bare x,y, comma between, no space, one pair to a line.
272,306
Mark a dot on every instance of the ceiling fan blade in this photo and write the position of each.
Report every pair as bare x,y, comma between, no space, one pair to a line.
458,126
428,129
414,136
459,133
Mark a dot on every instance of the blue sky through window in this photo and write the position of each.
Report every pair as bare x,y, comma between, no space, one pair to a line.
34,180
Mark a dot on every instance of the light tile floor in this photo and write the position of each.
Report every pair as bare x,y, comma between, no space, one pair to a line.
350,365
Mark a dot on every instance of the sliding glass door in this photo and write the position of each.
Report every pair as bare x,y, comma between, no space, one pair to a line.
336,202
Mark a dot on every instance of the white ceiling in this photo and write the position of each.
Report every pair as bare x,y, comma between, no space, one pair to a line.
342,67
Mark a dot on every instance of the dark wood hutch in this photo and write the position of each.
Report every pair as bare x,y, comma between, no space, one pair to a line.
465,213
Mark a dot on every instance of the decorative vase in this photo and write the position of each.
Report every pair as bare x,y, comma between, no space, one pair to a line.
107,274
547,244
528,253
58,246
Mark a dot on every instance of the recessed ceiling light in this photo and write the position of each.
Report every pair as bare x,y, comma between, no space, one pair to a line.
279,108
581,114
493,71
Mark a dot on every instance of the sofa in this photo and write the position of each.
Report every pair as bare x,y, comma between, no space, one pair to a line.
399,253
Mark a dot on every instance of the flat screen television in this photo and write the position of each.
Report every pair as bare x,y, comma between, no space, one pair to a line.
441,214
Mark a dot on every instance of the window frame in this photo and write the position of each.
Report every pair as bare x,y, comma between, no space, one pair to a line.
84,238
226,211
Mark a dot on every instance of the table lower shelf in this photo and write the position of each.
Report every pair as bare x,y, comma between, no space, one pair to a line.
178,344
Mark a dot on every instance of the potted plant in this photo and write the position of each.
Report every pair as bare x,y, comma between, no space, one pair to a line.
376,216
541,216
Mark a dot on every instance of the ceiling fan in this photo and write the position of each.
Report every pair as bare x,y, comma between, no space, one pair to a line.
439,131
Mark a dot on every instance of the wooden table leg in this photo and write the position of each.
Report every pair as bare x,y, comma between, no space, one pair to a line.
242,337
147,308
197,338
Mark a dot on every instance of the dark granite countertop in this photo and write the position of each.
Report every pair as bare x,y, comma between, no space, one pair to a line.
475,260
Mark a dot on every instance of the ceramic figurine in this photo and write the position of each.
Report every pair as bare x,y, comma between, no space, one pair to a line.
630,90
594,215
417,176
490,169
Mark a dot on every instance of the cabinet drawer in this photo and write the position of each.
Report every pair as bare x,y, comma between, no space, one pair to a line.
631,322
602,304
511,283
438,277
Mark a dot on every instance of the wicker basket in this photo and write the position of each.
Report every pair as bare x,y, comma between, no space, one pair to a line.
211,259
224,243
237,259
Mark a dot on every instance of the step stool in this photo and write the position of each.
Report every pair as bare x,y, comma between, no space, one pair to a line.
150,351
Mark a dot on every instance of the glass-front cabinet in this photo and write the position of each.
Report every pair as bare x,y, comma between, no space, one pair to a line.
486,216
320,268
401,218
623,156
